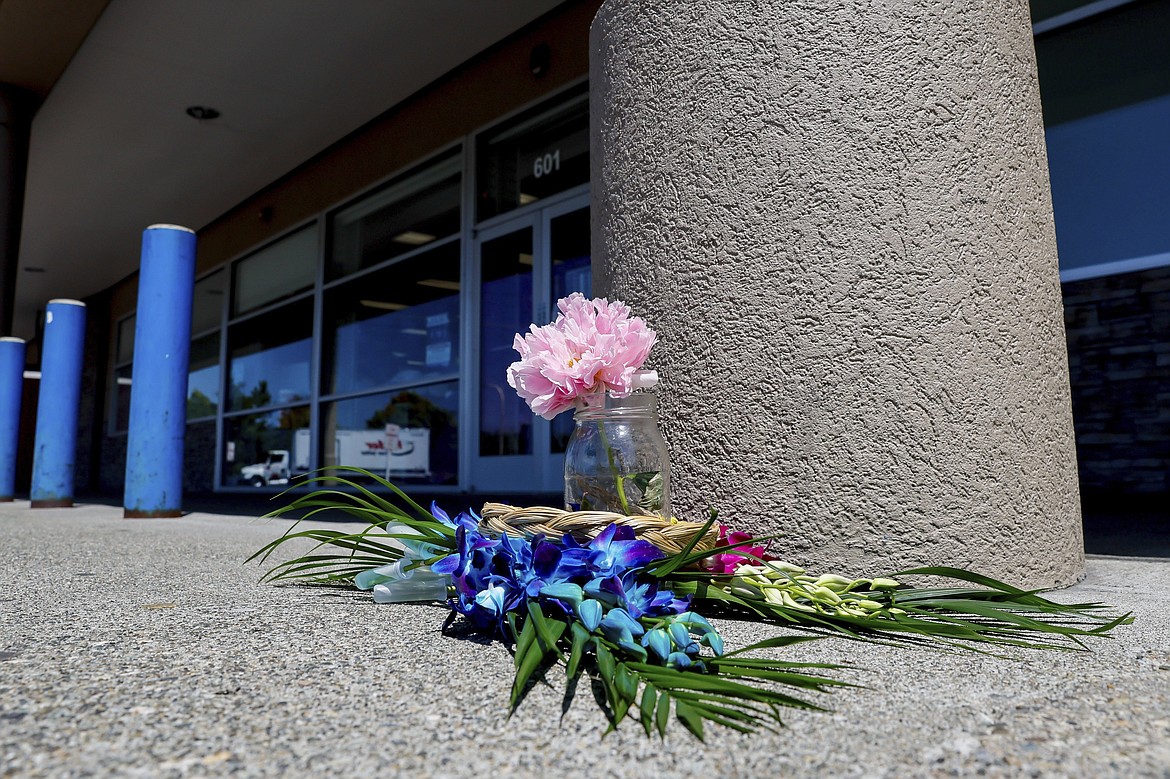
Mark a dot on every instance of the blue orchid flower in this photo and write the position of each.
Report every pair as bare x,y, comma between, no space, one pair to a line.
472,564
567,592
642,597
683,661
607,590
494,597
615,551
468,519
713,640
617,625
682,639
590,611
658,640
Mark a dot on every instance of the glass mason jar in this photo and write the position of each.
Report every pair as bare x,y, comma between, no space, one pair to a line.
617,459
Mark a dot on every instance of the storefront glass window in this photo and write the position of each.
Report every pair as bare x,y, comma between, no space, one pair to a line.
125,348
203,377
123,369
571,272
207,304
276,272
394,326
270,357
538,154
419,209
122,398
267,448
408,436
505,422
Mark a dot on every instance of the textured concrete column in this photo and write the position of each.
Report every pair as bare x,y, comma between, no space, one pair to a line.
838,220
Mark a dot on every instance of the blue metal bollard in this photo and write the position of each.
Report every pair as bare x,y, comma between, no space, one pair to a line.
11,389
158,394
57,406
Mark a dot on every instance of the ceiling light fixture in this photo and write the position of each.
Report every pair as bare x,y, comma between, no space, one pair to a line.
202,113
539,59
413,238
383,305
439,284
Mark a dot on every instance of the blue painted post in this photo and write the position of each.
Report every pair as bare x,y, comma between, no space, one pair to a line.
11,389
57,405
158,394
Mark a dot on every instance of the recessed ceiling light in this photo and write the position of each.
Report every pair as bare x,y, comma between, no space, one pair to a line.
439,284
33,269
202,112
413,238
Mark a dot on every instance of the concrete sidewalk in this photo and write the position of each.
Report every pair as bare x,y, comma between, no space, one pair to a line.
145,648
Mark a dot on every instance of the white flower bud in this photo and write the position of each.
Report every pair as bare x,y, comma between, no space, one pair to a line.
884,584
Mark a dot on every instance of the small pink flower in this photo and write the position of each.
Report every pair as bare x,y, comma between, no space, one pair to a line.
593,347
727,562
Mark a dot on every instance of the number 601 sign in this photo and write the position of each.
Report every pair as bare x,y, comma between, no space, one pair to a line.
545,164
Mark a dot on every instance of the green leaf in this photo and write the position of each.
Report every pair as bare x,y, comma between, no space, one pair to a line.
548,631
727,717
580,639
607,670
526,639
662,713
670,679
689,718
526,666
783,677
626,683
649,698
746,710
961,575
771,643
678,560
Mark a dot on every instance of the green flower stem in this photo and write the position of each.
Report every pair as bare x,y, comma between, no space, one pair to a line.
618,478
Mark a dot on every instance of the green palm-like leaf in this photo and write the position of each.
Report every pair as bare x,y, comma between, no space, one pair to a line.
338,556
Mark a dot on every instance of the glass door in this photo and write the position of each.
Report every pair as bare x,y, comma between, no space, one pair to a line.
523,266
504,454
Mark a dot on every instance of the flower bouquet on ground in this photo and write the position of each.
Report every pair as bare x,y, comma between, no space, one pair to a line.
589,360
593,593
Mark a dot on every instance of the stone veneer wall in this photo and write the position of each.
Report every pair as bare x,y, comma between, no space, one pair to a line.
113,464
198,460
1118,330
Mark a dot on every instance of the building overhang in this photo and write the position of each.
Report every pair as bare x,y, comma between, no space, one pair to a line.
113,148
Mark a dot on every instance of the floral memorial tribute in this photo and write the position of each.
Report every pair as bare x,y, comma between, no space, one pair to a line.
621,591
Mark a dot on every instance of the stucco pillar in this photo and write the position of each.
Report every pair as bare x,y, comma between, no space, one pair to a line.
837,217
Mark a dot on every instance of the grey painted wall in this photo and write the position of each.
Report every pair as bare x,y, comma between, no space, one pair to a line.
838,219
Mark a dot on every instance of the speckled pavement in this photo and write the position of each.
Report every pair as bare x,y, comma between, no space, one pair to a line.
144,648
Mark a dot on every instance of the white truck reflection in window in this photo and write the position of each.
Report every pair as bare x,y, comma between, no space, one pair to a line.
396,453
274,470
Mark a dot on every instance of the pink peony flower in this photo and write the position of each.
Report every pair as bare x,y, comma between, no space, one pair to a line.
593,347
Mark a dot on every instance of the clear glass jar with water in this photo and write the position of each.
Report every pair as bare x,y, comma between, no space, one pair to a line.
617,459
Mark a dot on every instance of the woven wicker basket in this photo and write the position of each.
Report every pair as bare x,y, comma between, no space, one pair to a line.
669,535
